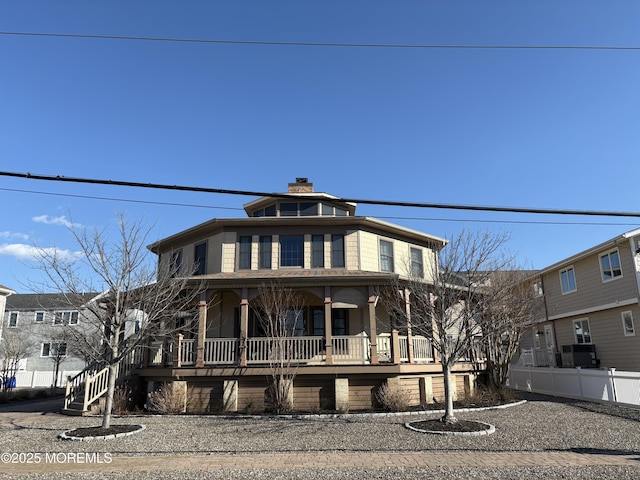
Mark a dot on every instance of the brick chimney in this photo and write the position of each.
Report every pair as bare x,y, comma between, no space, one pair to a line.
301,185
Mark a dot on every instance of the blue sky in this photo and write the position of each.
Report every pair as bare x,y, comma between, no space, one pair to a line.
552,128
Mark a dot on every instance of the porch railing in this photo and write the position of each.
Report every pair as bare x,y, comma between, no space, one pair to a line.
350,349
293,349
346,349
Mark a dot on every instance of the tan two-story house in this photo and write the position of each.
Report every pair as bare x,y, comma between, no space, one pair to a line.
591,308
338,262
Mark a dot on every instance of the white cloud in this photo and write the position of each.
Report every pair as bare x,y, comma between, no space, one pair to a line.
62,220
7,234
22,251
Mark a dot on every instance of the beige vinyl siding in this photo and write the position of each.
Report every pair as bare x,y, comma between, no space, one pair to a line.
313,394
612,348
251,393
204,397
591,290
370,254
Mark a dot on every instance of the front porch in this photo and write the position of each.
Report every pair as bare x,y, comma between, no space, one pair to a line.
390,348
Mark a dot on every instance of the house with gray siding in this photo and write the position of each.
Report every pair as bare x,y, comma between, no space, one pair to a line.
49,324
591,309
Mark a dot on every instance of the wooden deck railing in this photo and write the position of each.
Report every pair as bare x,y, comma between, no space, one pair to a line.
347,349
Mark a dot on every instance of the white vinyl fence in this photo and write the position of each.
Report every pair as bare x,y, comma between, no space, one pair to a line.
34,379
609,386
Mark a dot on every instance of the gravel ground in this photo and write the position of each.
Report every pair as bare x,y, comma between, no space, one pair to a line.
541,424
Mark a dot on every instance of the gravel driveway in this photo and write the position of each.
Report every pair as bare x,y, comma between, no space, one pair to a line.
541,424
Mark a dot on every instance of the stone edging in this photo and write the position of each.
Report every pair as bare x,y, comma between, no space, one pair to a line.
332,415
65,436
487,431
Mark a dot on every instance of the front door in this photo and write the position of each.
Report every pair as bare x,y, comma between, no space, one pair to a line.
550,344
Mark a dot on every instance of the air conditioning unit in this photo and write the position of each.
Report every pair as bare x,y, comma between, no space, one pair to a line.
580,355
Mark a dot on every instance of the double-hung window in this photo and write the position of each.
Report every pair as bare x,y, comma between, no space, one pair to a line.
54,349
568,280
337,251
66,318
264,255
13,319
291,251
417,267
176,263
627,324
317,251
581,328
244,257
200,259
610,266
386,256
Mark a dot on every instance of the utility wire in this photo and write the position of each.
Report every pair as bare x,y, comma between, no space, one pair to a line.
384,217
183,188
320,44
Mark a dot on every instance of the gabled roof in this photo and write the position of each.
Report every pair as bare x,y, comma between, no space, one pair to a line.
45,301
612,243
6,291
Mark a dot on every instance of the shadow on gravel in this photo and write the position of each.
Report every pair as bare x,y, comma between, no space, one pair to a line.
604,451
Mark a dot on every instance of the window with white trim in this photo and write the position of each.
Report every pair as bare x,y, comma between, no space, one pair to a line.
66,318
386,256
538,290
610,266
582,331
568,280
627,324
54,349
39,317
13,319
417,267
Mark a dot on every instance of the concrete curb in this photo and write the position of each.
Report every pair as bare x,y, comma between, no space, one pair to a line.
65,435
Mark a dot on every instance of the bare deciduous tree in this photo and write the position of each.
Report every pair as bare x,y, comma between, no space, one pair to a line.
508,305
279,311
141,300
441,305
15,346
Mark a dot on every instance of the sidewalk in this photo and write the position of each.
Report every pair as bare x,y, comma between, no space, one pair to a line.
321,460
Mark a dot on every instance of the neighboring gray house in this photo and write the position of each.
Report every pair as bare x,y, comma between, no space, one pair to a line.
592,302
44,321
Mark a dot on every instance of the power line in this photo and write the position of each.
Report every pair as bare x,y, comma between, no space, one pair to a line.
384,217
320,44
183,188
128,200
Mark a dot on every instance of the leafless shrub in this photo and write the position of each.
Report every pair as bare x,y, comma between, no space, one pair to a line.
394,398
169,399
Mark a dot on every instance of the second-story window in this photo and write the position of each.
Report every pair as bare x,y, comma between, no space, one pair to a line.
265,251
200,259
568,280
291,251
417,267
386,256
66,318
337,251
317,251
610,265
39,317
244,258
176,263
13,319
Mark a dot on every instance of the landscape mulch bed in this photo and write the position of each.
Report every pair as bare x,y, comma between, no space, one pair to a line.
101,432
461,426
